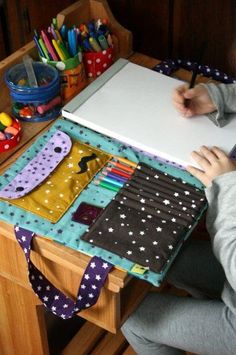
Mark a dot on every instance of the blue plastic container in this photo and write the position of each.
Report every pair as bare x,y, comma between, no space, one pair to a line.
38,103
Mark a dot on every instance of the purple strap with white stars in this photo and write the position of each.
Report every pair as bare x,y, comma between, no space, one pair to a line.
169,66
58,303
38,169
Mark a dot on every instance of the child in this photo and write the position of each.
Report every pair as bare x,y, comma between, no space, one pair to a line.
205,323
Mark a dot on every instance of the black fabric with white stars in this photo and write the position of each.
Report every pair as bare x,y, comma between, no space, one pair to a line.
148,218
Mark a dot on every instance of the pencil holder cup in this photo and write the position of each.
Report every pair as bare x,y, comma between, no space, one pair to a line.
97,62
10,132
72,75
37,103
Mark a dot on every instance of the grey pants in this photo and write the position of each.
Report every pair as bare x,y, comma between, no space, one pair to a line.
166,324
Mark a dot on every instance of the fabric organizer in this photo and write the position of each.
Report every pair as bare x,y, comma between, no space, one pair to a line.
66,231
148,218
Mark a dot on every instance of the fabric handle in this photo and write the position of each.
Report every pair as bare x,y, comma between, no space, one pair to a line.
169,66
53,299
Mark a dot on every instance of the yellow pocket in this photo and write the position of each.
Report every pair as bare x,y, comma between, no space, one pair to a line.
52,199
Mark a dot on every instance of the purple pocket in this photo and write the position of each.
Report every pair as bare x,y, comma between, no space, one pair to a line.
38,169
86,213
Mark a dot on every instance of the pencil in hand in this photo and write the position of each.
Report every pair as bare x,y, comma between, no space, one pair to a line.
192,83
196,70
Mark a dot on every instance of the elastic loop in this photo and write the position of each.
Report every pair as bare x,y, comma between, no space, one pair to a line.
169,66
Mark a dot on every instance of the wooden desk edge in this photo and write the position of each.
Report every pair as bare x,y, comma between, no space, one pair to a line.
68,257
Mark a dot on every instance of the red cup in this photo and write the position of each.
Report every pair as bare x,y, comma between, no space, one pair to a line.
96,63
8,144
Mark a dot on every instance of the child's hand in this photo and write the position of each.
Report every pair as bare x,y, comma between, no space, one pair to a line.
199,101
214,162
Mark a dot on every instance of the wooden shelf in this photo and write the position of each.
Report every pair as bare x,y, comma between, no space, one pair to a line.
77,13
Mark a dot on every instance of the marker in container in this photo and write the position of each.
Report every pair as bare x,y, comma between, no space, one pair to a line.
44,49
49,45
87,45
94,44
36,41
58,50
63,32
103,42
63,49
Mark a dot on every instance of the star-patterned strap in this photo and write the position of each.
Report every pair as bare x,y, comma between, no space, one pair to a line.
92,281
38,169
169,66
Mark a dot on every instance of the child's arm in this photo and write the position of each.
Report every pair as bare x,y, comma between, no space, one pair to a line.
217,101
219,175
224,98
221,222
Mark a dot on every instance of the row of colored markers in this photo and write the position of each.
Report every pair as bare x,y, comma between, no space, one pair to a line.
115,176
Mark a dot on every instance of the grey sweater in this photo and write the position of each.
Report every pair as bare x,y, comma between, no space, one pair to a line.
224,98
221,196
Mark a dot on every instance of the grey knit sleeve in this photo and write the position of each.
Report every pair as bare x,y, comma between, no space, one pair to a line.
224,98
221,222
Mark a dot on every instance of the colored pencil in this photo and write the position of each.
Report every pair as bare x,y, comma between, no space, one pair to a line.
122,167
114,176
111,181
119,172
106,185
126,161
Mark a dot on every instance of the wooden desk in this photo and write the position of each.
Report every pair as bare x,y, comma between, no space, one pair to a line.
22,320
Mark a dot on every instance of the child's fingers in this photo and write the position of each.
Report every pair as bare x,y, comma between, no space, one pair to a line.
190,93
197,173
183,110
200,160
180,107
209,154
219,153
178,93
177,97
182,88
